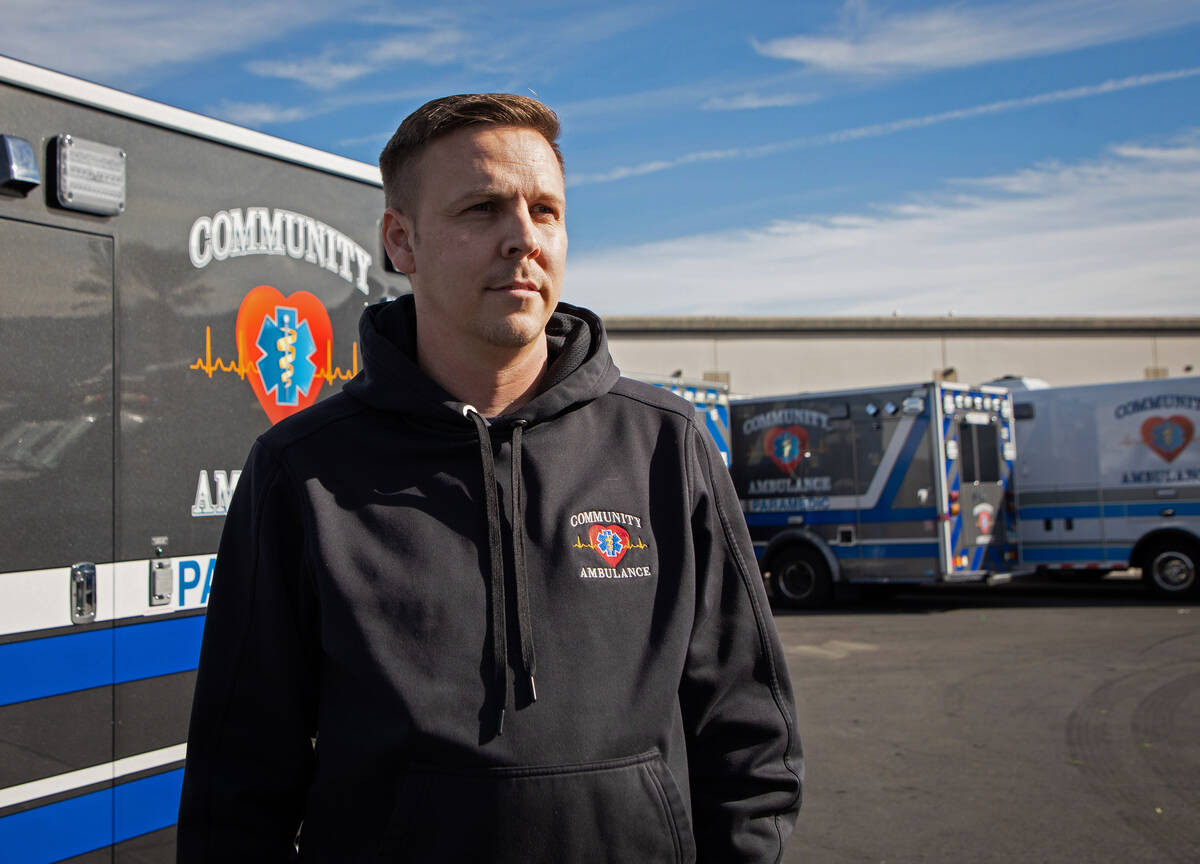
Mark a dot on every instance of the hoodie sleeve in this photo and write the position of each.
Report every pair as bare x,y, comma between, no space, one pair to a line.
250,752
744,752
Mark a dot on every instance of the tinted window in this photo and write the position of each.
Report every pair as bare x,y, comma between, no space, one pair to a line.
988,450
966,454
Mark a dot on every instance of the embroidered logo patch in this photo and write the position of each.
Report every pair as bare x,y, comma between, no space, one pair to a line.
608,535
1167,436
786,445
610,542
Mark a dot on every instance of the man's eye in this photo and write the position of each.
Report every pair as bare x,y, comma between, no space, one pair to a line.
482,207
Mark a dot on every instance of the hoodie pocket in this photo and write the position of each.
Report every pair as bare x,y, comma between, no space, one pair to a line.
618,810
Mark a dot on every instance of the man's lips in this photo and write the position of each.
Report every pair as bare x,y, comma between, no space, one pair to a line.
517,286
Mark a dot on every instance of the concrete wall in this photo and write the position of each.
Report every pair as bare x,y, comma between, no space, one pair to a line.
818,355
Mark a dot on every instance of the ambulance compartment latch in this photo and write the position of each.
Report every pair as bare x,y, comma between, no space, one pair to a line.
83,593
162,574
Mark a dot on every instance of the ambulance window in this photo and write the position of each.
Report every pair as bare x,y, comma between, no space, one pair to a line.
966,454
988,449
979,454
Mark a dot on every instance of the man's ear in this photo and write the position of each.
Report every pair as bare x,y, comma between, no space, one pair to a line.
397,240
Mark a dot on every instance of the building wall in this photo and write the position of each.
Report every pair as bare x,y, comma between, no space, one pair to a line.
772,361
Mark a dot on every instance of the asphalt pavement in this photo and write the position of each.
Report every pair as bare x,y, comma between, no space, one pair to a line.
1029,722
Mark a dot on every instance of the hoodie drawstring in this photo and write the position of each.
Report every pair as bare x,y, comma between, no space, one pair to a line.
524,625
496,577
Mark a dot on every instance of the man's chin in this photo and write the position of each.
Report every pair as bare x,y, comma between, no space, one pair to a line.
516,331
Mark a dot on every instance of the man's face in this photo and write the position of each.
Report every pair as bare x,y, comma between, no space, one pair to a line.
485,242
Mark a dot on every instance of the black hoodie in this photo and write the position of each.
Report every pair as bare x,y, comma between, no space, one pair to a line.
541,637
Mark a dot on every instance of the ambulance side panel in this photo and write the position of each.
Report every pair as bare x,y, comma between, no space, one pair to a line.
1103,468
144,351
849,470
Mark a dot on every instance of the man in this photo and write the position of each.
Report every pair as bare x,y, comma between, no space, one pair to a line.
486,487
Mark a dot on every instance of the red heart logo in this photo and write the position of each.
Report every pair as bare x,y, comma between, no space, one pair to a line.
786,445
610,542
1167,436
282,342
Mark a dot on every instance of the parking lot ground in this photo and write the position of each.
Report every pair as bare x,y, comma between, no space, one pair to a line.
1030,722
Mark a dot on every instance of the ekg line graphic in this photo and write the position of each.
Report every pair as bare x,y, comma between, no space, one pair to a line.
330,373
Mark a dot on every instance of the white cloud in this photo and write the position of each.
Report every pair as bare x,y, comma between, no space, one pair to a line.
319,73
256,114
877,130
486,42
744,101
343,64
1115,235
962,34
119,41
433,47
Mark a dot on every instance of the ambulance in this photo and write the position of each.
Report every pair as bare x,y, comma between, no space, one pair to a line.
1108,478
709,398
880,486
170,286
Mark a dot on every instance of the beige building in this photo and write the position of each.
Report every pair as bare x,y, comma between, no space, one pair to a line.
764,356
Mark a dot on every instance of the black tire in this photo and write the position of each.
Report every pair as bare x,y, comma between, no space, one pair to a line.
1169,570
800,578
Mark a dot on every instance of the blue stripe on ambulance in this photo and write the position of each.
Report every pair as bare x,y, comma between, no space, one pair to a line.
92,821
1095,511
78,661
875,515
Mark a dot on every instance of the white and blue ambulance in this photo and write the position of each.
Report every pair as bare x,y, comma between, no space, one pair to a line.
881,486
1109,478
709,398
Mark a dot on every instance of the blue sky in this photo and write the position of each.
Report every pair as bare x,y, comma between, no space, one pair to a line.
852,157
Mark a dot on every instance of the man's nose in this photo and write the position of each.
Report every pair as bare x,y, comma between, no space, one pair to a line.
521,239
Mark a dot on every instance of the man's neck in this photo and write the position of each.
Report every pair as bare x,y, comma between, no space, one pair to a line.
493,379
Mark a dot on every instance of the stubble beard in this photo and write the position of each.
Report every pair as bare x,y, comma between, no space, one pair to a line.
515,331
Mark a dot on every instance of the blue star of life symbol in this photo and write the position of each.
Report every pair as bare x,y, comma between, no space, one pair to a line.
285,367
786,447
1168,435
609,543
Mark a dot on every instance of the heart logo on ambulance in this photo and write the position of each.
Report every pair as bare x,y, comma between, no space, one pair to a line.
611,542
278,339
786,445
1167,436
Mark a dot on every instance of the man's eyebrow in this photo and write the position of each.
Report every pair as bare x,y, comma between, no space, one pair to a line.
494,193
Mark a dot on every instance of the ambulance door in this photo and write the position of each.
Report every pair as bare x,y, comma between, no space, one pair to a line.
981,490
56,547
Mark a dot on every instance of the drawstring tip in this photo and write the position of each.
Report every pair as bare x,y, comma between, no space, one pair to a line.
532,689
500,723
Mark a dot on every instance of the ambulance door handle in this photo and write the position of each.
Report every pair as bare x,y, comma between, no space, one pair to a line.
1167,513
162,581
83,593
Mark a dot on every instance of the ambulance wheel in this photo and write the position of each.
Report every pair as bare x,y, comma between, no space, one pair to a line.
800,578
1169,570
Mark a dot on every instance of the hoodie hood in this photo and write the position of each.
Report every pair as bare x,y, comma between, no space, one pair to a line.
581,368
